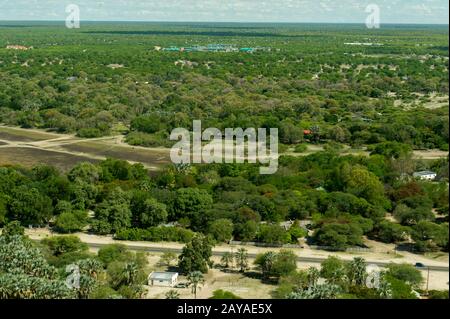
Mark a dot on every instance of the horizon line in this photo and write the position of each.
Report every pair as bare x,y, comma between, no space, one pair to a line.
235,22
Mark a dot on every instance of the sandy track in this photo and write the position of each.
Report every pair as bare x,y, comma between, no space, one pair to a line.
43,140
54,143
382,255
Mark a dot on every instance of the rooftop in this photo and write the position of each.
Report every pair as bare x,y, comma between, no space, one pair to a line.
425,173
162,275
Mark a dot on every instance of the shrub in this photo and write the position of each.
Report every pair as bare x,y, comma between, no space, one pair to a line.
301,148
435,294
89,133
273,234
222,294
155,234
71,222
147,140
406,273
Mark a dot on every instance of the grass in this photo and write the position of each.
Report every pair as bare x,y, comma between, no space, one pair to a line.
436,255
21,135
29,157
149,157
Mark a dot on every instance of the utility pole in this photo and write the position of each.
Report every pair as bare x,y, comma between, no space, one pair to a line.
423,267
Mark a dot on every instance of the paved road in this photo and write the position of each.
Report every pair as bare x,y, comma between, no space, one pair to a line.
316,260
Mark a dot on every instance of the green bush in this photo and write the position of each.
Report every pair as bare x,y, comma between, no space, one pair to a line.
301,148
155,234
71,222
90,133
273,234
147,140
222,294
406,273
436,294
59,245
297,232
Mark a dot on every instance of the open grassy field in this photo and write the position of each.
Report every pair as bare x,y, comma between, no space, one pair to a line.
26,147
29,157
30,147
22,135
148,157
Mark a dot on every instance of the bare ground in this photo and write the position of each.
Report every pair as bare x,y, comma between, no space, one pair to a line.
380,253
29,147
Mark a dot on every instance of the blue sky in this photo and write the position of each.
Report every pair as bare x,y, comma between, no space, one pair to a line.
336,11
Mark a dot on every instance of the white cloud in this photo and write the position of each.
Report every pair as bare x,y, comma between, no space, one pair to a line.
352,11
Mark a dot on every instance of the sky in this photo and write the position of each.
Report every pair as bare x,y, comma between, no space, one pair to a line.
296,11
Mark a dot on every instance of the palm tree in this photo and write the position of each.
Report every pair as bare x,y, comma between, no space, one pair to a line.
325,291
356,271
5,291
90,267
172,294
227,259
384,289
195,279
265,262
313,276
130,273
242,259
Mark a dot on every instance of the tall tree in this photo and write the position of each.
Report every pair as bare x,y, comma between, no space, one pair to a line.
333,270
196,255
241,257
30,206
195,280
356,272
227,260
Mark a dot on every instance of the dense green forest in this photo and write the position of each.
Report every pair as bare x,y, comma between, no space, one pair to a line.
105,78
384,91
344,198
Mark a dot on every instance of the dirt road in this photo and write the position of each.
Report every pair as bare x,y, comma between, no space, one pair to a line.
28,141
381,256
97,149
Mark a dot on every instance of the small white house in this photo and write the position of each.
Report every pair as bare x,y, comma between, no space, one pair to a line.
425,175
163,279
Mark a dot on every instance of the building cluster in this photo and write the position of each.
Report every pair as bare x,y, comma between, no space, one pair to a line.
212,48
18,47
363,44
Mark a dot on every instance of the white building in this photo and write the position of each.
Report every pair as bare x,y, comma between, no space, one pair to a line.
163,279
425,175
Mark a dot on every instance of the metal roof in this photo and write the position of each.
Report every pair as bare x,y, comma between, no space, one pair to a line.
162,275
424,173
